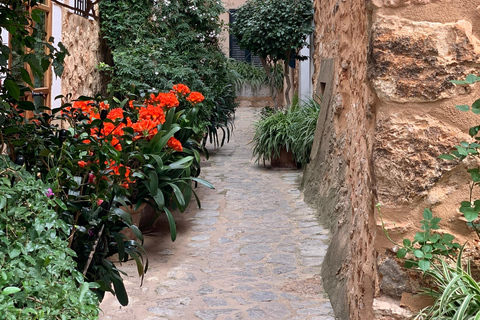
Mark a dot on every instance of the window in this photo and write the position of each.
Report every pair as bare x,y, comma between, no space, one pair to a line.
41,90
80,7
237,53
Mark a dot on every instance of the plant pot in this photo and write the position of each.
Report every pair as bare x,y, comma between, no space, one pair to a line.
143,218
286,160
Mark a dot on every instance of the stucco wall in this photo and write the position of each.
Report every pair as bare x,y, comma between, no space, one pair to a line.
81,37
386,116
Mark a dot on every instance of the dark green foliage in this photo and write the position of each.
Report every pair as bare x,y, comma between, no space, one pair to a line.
38,276
273,28
159,44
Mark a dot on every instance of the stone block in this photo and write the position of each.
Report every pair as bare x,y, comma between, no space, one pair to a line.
414,61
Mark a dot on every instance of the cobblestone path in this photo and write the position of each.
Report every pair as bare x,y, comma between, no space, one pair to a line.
253,251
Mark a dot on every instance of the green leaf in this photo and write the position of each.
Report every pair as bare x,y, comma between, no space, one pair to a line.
120,291
12,88
470,214
424,265
171,223
463,107
26,76
471,78
467,204
10,290
407,243
427,214
446,157
418,253
60,204
402,253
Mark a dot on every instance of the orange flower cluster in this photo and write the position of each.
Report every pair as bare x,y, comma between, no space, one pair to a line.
175,144
181,89
150,115
164,100
195,97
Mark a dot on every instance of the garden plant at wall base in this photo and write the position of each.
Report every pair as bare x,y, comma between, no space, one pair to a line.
291,130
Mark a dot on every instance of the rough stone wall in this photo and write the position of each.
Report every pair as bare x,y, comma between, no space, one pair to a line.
386,115
339,178
81,37
416,48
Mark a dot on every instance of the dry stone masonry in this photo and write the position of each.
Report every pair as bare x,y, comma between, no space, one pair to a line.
383,68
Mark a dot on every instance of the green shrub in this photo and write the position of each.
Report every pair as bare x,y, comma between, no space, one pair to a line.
38,276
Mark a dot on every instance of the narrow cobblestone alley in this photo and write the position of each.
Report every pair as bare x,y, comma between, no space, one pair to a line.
253,251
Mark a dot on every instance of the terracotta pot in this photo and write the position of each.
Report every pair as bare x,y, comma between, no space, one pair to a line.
286,160
143,218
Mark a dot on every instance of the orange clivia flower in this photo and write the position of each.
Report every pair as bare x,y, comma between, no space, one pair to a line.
181,89
175,144
195,97
152,113
82,164
115,114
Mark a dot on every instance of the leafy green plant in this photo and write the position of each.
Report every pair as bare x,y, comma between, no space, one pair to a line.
456,293
247,73
38,276
304,122
427,245
292,129
471,207
275,30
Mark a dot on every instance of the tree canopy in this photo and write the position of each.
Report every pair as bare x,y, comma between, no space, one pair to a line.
274,30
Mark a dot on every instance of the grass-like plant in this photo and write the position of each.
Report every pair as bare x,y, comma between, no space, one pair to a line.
255,76
457,294
292,129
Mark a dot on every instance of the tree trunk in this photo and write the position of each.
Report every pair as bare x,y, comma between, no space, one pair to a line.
289,85
271,78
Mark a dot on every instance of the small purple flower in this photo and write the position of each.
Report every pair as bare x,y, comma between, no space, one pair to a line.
90,233
49,193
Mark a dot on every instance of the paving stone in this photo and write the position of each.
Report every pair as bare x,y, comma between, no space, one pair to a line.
256,313
204,289
256,248
263,296
214,302
211,314
250,252
201,237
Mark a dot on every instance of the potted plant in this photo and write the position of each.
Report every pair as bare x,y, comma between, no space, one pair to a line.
285,137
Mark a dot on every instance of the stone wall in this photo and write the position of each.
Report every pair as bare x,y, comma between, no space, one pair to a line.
339,179
384,68
416,49
81,37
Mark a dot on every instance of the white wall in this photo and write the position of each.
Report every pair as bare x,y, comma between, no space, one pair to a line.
305,73
57,35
